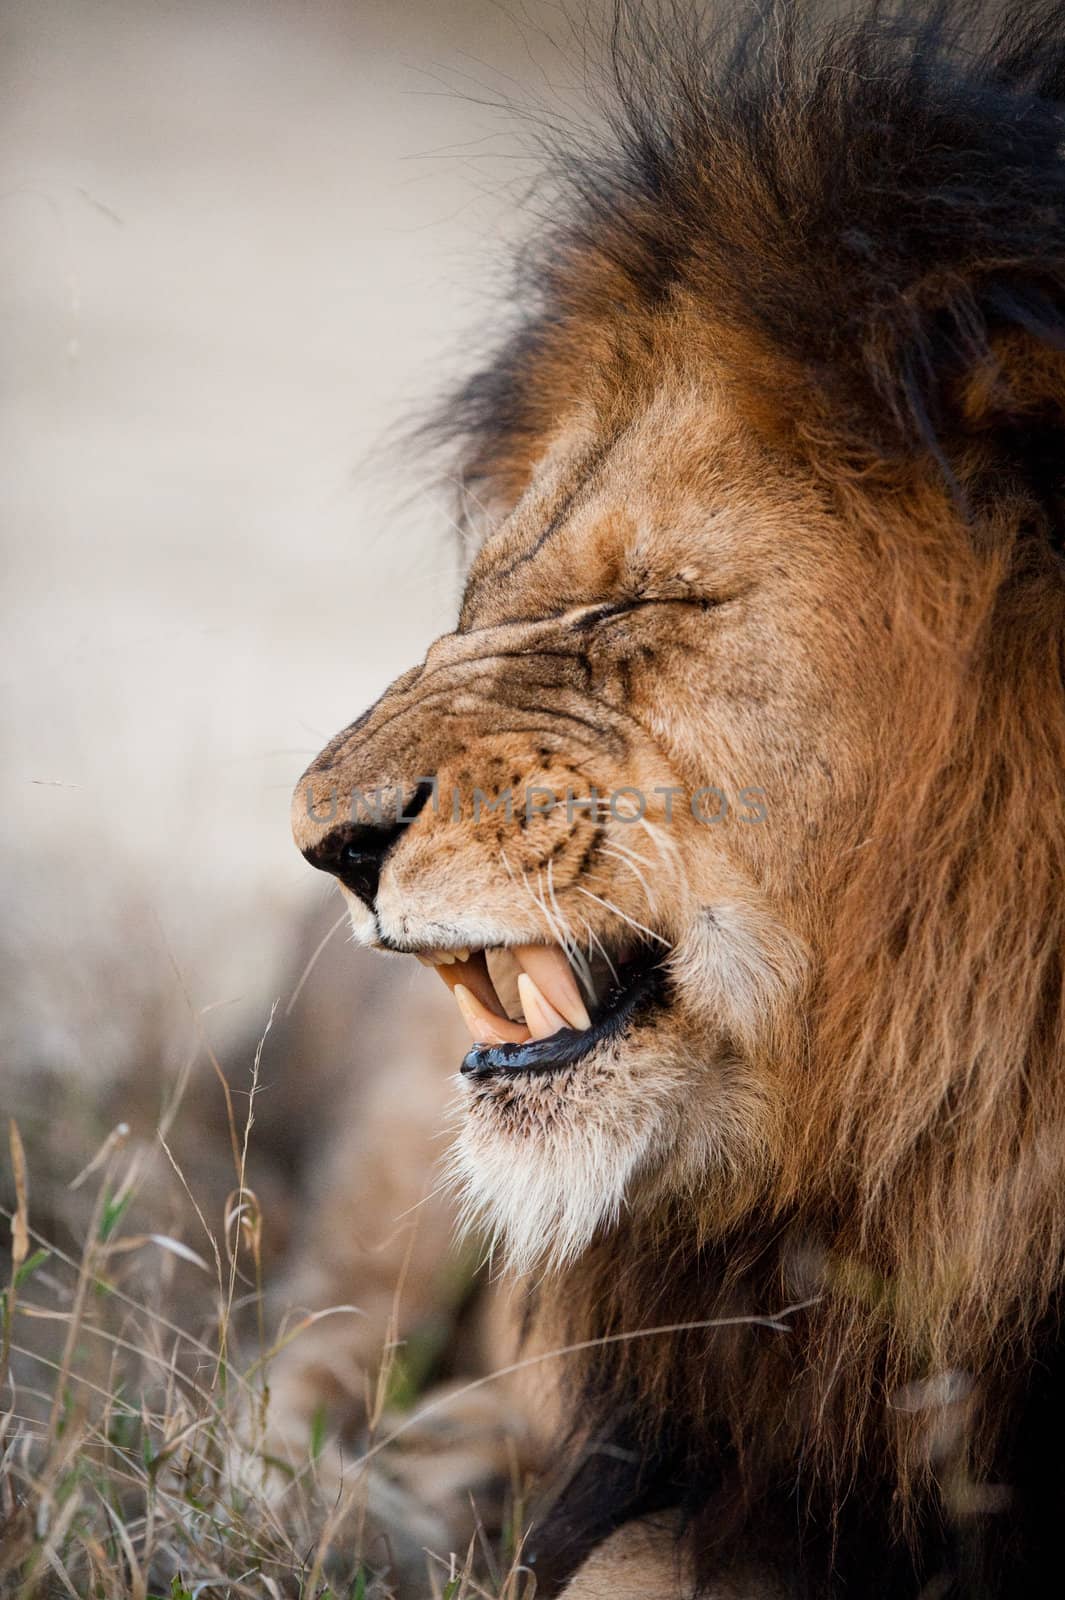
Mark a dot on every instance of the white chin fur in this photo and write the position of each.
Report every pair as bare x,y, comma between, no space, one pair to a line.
543,1198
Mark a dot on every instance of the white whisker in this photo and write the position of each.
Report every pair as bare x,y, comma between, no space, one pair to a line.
564,934
617,912
616,844
600,946
634,869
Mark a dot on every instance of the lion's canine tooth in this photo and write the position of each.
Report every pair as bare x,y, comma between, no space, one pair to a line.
485,1027
551,973
462,954
540,1014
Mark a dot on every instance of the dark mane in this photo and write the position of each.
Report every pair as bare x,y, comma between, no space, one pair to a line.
872,203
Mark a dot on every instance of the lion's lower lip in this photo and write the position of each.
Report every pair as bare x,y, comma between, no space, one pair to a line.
643,987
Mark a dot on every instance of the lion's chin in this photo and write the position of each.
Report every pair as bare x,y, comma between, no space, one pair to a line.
665,1097
557,1131
548,1161
542,1171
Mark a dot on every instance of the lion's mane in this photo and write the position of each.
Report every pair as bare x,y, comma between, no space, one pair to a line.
873,214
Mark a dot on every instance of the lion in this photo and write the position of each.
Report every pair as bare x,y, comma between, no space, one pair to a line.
729,811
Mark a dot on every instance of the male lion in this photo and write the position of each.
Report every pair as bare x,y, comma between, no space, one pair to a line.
767,1089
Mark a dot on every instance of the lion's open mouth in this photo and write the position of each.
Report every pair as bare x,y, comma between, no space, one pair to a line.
526,1011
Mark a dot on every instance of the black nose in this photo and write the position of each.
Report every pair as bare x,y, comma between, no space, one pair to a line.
355,852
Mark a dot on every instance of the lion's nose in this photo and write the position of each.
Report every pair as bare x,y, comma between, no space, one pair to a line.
355,852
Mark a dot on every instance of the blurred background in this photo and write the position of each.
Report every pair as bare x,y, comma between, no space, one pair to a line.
239,240
243,244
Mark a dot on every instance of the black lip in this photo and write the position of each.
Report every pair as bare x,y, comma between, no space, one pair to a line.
643,988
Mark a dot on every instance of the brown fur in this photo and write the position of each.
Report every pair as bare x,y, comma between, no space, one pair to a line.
832,567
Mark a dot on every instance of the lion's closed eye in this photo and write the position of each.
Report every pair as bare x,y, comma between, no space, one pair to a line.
602,614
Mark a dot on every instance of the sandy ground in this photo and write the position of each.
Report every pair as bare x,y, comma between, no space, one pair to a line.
240,241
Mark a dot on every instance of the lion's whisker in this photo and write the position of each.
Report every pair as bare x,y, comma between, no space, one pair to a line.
640,927
634,869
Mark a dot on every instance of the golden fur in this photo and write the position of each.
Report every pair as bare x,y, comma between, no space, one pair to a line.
763,515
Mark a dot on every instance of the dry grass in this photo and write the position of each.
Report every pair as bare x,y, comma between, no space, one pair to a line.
135,1398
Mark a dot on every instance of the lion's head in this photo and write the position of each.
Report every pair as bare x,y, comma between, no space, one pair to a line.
762,637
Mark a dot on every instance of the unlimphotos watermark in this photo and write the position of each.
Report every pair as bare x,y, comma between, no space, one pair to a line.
709,805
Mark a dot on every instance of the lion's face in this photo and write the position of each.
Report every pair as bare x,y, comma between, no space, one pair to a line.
677,640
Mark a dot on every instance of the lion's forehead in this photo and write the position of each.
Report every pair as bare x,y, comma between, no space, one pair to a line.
680,499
